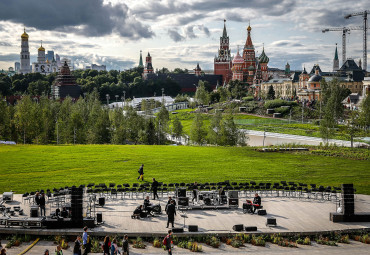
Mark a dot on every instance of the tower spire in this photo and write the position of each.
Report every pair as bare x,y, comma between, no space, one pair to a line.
141,60
224,34
336,52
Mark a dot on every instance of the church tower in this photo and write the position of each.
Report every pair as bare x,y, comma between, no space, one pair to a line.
263,60
287,69
237,69
41,55
25,54
141,61
148,65
222,62
336,60
198,70
249,57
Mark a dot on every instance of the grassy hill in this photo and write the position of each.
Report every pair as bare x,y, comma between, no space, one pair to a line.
30,167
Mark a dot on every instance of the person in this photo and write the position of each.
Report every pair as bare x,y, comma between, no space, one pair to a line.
86,242
141,172
114,248
37,198
195,191
139,210
106,245
64,213
125,246
168,242
155,185
147,205
169,202
257,202
42,204
58,250
171,212
46,252
77,247
3,252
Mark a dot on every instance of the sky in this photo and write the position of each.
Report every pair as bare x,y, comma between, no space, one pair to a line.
179,33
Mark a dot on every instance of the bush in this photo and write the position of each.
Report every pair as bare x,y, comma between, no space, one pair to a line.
196,247
258,241
248,98
278,103
344,239
214,242
157,243
325,241
138,243
306,241
236,243
282,110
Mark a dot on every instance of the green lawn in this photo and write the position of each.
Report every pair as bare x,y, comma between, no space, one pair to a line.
31,167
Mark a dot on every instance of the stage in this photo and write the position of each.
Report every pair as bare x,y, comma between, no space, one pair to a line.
292,215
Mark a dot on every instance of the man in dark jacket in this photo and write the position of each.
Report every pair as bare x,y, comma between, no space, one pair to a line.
77,246
169,202
257,202
141,172
125,246
195,191
155,185
168,242
42,204
171,212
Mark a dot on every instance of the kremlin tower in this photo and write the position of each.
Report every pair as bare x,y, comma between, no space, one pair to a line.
249,57
148,65
222,62
141,61
336,60
237,68
25,54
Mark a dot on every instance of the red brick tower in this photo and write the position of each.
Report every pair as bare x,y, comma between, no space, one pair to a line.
249,57
148,65
198,70
222,62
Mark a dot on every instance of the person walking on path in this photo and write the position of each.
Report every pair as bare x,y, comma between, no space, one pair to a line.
167,242
77,246
171,212
42,204
125,246
141,172
58,250
106,245
155,185
86,241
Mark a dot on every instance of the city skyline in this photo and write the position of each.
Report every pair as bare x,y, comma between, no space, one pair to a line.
178,34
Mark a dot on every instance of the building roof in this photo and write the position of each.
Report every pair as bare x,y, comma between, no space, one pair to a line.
263,58
316,66
350,65
315,78
238,59
224,33
280,80
24,35
336,53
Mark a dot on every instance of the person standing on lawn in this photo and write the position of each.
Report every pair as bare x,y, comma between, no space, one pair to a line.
155,185
141,173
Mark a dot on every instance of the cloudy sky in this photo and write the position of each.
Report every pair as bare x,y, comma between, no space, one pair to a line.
178,33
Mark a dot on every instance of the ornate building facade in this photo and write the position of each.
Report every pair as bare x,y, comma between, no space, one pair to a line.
25,54
148,69
65,84
43,65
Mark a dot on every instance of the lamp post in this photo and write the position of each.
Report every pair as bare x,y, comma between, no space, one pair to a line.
107,96
162,95
124,98
116,96
302,109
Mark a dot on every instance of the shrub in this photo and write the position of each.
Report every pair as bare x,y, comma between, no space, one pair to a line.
138,243
306,241
258,241
287,243
64,244
95,246
214,242
157,243
183,244
228,241
236,243
278,103
325,241
344,239
248,98
196,247
27,238
282,110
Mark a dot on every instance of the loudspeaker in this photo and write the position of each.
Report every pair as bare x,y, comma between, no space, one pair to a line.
99,217
183,201
177,230
89,222
238,227
271,221
181,192
34,211
193,228
251,228
234,201
262,212
233,194
102,201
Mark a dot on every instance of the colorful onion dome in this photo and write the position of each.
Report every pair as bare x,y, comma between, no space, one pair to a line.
238,59
263,58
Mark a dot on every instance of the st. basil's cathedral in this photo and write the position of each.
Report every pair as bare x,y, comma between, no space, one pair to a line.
246,68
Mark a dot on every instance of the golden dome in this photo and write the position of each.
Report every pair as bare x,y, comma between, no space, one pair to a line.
41,49
24,35
249,28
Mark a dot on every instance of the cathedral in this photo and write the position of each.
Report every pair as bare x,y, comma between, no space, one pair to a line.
246,67
44,66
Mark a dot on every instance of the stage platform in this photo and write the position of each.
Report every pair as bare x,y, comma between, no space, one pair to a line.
292,215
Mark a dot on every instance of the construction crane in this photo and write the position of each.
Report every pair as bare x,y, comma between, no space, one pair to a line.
364,15
344,30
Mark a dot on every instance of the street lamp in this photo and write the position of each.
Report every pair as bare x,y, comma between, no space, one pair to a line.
116,96
107,97
124,98
162,95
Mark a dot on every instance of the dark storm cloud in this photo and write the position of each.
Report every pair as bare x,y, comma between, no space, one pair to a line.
85,17
175,36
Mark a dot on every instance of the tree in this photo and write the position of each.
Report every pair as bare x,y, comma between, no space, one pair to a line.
177,128
271,93
150,137
201,95
364,115
214,131
230,134
197,130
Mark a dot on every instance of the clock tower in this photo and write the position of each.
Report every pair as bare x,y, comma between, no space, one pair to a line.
223,62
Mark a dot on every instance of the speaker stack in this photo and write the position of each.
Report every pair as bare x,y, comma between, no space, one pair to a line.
238,227
233,198
77,206
348,199
181,192
183,201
